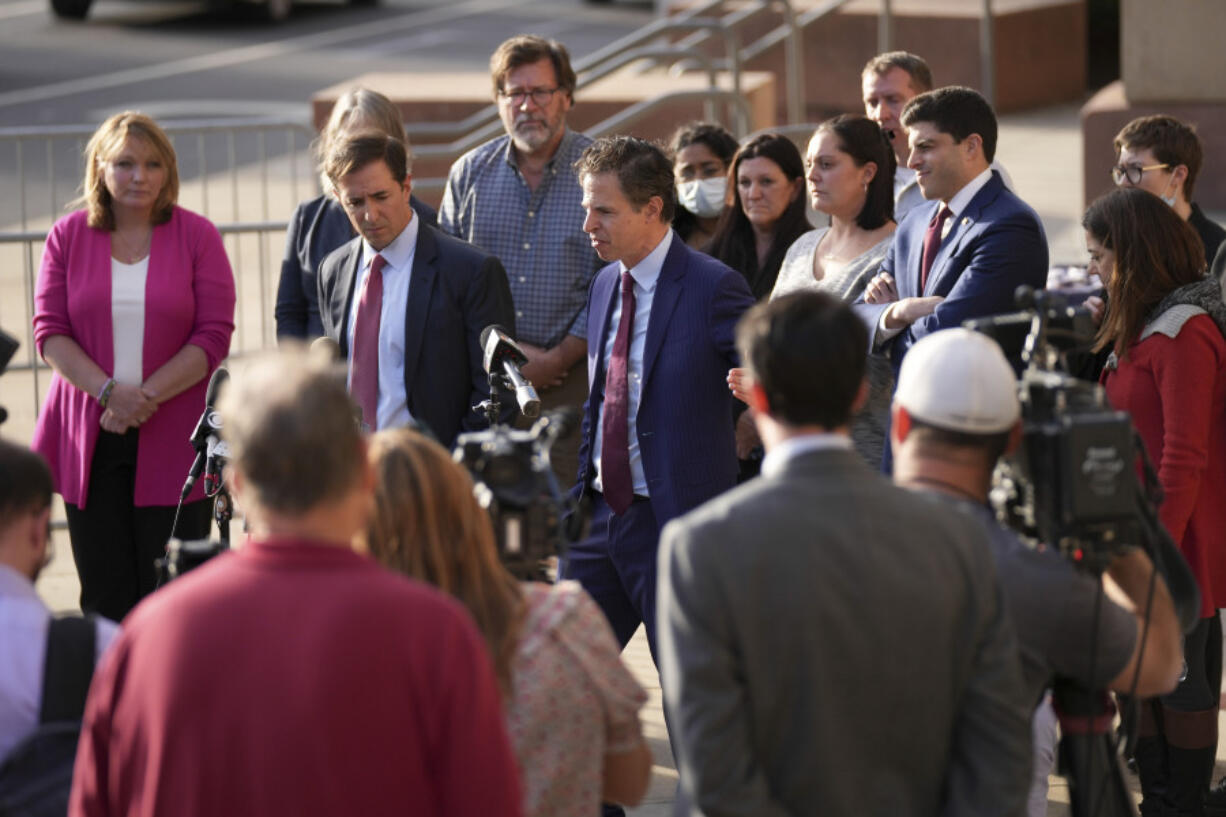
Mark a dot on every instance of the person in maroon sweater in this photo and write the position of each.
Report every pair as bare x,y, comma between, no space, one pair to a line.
295,676
1165,325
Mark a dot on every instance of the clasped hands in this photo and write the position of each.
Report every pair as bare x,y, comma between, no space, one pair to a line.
903,311
128,407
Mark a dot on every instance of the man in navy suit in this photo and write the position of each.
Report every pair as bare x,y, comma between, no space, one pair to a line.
657,427
402,286
963,253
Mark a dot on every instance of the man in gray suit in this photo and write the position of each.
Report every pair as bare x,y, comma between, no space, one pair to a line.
831,644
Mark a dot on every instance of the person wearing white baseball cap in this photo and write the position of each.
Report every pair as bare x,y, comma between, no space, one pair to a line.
955,412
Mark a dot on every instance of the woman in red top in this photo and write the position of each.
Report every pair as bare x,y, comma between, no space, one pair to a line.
1165,324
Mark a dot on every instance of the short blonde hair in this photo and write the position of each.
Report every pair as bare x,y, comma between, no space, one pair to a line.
108,140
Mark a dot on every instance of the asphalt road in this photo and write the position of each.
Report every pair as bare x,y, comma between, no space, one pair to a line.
196,59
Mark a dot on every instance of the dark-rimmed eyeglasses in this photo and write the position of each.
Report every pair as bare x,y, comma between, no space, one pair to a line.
540,96
1133,173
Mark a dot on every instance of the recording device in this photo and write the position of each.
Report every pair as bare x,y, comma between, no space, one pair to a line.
515,484
1072,485
503,353
207,435
8,348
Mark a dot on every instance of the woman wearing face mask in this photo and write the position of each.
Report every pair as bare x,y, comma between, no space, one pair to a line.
850,177
767,212
1165,325
701,154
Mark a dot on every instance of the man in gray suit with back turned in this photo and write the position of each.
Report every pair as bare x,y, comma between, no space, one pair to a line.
830,644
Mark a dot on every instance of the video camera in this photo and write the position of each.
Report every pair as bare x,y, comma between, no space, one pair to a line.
533,520
1072,483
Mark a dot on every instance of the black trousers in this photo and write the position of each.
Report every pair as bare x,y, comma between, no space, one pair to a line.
115,543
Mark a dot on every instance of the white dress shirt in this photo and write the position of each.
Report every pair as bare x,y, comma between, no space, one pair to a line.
128,320
646,275
793,447
393,405
24,620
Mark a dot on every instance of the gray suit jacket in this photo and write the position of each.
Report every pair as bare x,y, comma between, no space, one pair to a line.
833,645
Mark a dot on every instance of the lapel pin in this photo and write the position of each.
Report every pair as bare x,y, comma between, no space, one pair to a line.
965,221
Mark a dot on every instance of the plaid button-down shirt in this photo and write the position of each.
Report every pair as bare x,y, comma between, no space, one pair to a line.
537,234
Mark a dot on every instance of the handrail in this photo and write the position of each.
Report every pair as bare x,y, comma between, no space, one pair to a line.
590,69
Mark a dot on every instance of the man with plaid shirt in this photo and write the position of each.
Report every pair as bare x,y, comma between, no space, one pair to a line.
518,198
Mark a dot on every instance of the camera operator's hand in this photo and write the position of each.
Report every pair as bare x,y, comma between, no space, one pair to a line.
1096,307
738,384
909,310
881,290
1127,583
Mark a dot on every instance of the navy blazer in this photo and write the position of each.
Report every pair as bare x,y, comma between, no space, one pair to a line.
318,227
684,420
996,245
455,291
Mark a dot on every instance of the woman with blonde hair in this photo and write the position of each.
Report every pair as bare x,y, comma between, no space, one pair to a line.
572,706
321,225
134,309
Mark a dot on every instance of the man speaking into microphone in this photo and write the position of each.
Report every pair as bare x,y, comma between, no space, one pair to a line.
406,303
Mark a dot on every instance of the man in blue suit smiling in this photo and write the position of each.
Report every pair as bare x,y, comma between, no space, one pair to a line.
657,427
964,253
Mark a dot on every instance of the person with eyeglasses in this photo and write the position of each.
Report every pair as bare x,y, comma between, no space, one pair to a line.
518,198
1163,156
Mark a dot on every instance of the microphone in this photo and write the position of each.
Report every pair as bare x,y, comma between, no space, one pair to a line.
204,439
501,351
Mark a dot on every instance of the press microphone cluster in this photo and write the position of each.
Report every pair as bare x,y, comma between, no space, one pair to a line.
206,439
502,352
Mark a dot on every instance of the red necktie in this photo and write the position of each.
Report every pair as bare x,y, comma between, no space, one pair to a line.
615,449
932,243
364,357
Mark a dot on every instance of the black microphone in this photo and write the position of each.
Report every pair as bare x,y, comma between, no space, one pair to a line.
502,351
204,439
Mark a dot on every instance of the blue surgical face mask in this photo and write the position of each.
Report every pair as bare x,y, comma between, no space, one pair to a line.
703,197
1170,200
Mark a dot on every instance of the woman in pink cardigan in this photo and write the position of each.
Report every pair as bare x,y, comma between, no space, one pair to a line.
134,309
1165,325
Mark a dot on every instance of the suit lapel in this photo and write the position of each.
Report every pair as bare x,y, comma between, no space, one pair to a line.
965,223
347,274
417,308
602,304
668,291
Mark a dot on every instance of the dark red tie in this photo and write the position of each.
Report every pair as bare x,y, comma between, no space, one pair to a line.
364,376
932,243
615,450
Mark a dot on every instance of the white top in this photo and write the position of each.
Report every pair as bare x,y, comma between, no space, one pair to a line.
393,407
793,447
24,620
128,320
646,275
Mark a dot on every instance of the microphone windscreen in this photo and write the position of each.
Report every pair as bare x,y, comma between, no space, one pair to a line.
220,376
